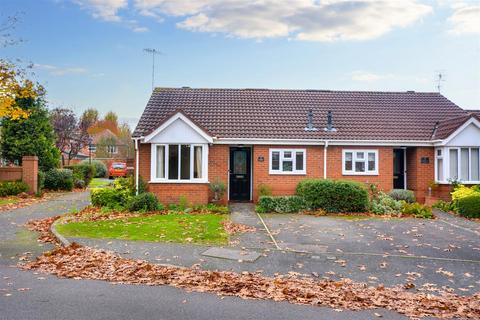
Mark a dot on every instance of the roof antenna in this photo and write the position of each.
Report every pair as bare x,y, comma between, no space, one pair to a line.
439,78
310,126
153,52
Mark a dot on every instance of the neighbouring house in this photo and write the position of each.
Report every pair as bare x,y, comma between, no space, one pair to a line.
188,137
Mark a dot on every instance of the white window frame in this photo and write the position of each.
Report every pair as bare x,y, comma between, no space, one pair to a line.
153,165
112,148
446,164
354,159
294,162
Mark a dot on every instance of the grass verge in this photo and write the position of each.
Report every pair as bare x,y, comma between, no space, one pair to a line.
182,228
99,183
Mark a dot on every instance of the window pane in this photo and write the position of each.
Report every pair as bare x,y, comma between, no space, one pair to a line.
160,174
348,161
371,161
440,169
287,154
454,164
475,156
275,160
359,166
287,165
465,163
299,161
360,155
185,162
439,152
173,161
197,162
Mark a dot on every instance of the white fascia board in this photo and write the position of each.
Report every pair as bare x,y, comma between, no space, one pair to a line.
182,117
401,143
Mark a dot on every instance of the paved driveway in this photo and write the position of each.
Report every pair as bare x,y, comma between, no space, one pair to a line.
444,252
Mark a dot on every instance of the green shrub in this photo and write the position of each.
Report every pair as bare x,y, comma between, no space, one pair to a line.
100,168
78,183
469,206
143,202
83,174
285,204
213,208
334,196
128,183
182,203
417,210
12,188
41,181
384,204
444,206
59,179
218,189
264,190
110,197
401,194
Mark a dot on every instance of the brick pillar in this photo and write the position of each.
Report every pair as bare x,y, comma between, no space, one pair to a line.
30,172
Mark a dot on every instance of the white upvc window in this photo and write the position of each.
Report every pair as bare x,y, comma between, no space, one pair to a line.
112,149
457,164
288,161
179,163
360,162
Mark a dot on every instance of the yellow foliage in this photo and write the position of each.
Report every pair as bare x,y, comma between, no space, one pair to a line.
461,192
13,87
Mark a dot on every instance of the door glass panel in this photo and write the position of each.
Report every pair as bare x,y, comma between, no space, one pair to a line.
299,161
453,164
185,162
475,164
465,163
173,162
275,160
240,162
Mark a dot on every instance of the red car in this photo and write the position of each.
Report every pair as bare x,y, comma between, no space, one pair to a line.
117,169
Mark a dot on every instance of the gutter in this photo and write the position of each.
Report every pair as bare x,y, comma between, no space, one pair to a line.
325,147
137,162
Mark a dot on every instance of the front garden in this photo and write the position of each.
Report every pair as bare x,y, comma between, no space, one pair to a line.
117,212
465,202
323,196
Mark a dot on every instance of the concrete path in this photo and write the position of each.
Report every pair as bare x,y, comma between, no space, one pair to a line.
28,295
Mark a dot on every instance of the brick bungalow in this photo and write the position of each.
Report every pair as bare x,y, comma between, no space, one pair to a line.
187,138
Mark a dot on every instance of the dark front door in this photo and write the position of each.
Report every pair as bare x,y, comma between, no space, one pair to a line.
240,165
399,168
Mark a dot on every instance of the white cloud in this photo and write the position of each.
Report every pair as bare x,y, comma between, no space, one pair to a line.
104,9
465,19
60,71
309,20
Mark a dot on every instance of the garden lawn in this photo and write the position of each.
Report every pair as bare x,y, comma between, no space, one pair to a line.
4,201
183,228
99,183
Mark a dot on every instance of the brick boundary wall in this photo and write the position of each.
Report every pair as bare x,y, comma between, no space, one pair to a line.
28,173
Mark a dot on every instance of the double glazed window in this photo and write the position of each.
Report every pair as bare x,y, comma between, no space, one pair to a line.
112,149
178,162
458,164
287,161
360,162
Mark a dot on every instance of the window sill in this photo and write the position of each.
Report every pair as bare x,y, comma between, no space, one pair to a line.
360,174
179,181
461,182
288,173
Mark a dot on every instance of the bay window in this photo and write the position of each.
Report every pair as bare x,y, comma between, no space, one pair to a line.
288,161
179,163
360,162
457,164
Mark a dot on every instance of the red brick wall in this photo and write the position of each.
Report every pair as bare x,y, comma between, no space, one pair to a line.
10,173
420,175
196,193
284,184
384,179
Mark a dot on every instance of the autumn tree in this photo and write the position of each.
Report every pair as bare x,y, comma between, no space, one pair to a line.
89,118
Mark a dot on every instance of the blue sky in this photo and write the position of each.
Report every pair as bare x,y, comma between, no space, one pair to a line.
88,53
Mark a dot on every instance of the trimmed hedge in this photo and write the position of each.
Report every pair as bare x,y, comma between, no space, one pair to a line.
59,179
401,194
146,201
285,204
334,196
469,206
83,174
12,188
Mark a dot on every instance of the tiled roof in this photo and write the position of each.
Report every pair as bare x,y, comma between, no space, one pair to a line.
282,114
446,127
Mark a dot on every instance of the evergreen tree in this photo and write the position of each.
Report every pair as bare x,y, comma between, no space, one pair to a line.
31,136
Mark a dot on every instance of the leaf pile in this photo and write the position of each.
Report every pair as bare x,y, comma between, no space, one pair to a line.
80,262
43,227
232,228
